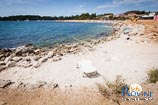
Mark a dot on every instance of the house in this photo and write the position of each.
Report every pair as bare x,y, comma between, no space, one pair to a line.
149,16
106,16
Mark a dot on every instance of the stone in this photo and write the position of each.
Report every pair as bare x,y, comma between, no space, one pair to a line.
21,51
56,59
44,59
28,59
18,51
16,59
29,45
5,51
2,68
8,59
5,83
24,64
2,63
1,56
50,55
11,64
36,64
36,58
37,52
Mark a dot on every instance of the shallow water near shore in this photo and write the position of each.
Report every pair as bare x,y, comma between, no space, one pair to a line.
48,33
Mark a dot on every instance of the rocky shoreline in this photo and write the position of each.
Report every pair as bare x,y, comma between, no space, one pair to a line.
30,56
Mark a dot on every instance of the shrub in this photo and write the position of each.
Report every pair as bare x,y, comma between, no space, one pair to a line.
110,88
153,75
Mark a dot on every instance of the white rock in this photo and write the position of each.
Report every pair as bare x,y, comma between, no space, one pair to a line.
36,64
44,59
50,54
11,64
86,66
24,64
16,59
8,59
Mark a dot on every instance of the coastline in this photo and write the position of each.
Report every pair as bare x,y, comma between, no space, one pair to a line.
58,50
29,56
89,21
128,52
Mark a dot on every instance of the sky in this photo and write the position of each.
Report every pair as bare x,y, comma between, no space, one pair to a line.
73,7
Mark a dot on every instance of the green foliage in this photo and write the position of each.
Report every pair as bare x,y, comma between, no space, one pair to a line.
153,75
83,16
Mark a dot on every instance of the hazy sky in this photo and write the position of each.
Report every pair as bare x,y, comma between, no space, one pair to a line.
73,7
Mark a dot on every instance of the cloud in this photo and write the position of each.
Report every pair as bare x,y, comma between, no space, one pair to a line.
19,2
118,3
80,9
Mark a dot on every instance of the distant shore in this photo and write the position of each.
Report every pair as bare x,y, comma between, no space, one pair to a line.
89,21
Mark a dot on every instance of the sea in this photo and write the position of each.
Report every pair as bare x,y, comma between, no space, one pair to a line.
49,33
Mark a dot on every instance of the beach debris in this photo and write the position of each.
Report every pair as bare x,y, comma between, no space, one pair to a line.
87,68
5,83
128,38
55,85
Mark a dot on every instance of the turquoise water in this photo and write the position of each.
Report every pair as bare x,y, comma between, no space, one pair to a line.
47,33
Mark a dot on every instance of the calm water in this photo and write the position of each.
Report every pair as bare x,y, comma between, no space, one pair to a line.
45,33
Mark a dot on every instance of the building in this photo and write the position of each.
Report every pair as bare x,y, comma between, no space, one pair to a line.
149,16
